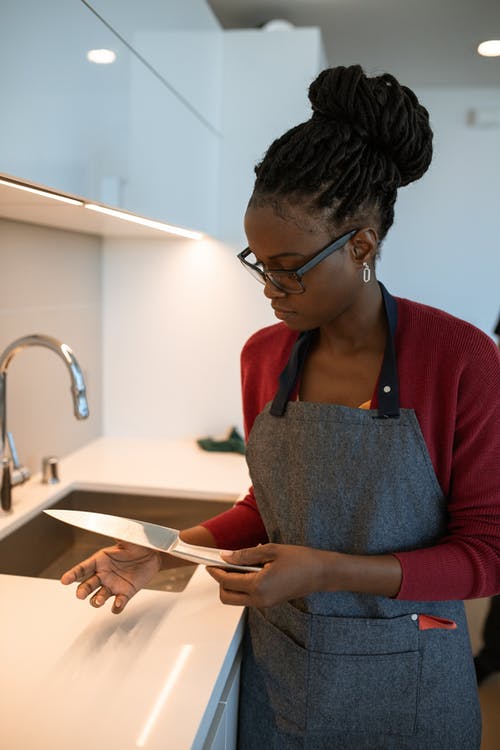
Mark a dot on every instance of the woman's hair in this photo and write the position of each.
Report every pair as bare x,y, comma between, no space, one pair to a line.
365,138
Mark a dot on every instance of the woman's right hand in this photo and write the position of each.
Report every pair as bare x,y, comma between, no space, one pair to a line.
119,571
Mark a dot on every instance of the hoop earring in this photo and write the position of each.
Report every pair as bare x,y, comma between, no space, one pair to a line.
367,273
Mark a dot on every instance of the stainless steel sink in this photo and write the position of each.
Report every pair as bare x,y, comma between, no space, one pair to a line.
45,548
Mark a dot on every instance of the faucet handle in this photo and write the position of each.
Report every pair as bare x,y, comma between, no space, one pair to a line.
5,483
20,473
13,451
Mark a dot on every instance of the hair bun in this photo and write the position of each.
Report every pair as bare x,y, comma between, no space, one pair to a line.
381,112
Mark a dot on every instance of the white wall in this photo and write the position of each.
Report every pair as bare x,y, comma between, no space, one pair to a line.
176,314
444,247
51,284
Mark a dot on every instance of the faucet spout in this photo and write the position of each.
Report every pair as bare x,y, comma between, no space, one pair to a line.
78,393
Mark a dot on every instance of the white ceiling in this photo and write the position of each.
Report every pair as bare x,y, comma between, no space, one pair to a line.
421,42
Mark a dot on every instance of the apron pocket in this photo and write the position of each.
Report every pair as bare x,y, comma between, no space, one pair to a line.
364,693
283,664
364,674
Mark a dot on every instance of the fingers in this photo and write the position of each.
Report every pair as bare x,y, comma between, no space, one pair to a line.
234,587
120,603
232,580
88,586
103,594
235,598
252,555
83,570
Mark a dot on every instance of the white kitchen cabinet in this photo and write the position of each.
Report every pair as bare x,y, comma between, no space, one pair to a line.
172,129
138,134
63,119
173,149
223,729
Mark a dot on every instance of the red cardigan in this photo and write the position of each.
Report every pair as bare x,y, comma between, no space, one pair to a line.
449,373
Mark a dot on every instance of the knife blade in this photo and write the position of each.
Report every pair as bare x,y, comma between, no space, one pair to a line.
146,534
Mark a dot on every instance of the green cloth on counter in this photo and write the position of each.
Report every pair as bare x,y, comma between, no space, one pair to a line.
234,443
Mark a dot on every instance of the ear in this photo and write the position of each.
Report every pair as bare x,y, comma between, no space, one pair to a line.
364,245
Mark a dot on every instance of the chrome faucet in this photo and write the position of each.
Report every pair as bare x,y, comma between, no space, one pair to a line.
8,478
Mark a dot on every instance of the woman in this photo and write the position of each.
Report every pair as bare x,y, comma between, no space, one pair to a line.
373,431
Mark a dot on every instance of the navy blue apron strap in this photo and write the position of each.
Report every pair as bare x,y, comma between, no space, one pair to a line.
289,375
388,386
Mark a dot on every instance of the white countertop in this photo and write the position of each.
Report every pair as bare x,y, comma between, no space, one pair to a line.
73,677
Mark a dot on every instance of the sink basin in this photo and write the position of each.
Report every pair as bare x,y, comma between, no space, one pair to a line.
45,548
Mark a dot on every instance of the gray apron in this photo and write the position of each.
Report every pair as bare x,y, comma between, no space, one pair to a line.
345,671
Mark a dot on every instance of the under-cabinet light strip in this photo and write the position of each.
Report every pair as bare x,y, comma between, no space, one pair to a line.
190,234
160,225
44,193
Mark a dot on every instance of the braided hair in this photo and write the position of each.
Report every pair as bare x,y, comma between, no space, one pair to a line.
365,138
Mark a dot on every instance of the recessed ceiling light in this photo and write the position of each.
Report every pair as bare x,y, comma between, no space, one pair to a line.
101,56
278,24
490,48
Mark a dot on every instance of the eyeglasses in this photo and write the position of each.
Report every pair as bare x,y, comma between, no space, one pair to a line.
290,280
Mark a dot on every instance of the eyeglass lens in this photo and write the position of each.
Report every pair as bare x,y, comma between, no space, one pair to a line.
287,281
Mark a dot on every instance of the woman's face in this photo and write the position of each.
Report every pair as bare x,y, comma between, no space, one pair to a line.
286,241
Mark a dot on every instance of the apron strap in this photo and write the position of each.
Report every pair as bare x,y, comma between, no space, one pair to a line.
388,386
289,375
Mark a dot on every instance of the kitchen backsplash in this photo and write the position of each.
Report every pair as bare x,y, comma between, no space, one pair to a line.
51,284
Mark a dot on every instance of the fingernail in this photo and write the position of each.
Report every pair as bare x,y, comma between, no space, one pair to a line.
118,604
98,602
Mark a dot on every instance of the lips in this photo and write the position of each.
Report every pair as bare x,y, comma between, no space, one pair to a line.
282,314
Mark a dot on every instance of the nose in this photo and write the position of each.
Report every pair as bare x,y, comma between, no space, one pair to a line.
272,292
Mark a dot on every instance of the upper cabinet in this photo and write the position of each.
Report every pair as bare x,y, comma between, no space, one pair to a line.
141,133
172,129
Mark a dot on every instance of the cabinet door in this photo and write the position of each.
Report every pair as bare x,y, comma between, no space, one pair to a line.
232,702
223,730
141,133
216,738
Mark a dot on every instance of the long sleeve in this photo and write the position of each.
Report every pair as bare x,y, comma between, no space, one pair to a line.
240,526
458,404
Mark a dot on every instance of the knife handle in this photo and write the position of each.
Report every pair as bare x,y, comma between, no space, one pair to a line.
207,556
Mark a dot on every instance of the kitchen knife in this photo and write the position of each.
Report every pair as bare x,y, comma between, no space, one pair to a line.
146,534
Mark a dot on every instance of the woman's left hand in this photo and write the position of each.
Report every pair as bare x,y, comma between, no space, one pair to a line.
289,572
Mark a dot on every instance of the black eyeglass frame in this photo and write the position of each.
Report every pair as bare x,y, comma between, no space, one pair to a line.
295,273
